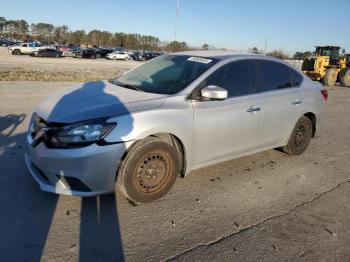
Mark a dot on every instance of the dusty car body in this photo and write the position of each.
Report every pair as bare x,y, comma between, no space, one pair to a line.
208,114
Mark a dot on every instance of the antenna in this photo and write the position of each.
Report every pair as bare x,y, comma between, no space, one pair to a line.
177,18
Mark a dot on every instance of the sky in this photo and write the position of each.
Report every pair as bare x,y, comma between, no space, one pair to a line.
289,25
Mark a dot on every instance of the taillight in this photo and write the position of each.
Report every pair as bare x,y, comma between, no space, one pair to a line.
324,93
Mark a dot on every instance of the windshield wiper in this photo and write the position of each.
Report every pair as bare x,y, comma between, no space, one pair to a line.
126,85
132,87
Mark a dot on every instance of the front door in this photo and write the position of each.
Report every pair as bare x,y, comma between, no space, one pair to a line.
222,128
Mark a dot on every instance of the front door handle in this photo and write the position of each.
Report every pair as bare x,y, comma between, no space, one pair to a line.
253,109
296,102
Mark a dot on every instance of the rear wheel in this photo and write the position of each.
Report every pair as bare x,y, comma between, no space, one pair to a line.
344,77
300,137
149,170
331,77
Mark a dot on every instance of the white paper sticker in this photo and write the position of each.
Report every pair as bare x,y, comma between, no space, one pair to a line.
199,60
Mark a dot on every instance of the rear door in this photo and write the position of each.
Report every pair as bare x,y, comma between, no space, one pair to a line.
222,128
281,101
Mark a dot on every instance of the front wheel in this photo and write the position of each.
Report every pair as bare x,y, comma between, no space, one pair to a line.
300,137
331,77
344,76
149,170
16,52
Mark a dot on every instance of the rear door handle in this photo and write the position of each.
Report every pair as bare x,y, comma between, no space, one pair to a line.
296,102
253,109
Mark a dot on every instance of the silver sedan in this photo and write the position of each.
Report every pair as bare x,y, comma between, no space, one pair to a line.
163,119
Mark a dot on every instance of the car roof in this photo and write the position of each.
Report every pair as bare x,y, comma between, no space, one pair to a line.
221,55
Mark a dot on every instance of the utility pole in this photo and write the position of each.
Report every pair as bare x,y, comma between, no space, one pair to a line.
177,18
266,39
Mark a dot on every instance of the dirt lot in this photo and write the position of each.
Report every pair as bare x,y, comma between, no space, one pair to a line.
265,207
27,68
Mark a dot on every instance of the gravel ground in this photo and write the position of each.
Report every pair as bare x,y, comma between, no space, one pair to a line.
25,67
265,207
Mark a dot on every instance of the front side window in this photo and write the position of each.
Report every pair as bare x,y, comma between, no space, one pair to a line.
237,78
167,74
274,76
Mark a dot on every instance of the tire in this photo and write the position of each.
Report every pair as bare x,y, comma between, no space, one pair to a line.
300,137
16,52
344,76
331,77
149,170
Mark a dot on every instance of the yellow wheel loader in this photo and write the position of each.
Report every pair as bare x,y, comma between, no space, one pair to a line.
327,66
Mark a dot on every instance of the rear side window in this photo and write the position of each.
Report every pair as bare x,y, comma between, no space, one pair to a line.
297,78
274,76
236,78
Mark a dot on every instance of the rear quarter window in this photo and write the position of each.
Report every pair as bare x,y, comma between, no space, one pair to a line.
274,76
297,78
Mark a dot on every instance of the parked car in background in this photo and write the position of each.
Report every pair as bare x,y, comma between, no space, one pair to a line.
136,55
118,55
150,55
63,48
7,42
229,105
71,52
23,49
88,53
105,51
47,52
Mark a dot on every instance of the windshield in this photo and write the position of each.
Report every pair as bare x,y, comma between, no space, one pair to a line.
324,51
166,74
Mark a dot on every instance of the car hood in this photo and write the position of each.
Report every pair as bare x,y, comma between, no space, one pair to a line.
95,100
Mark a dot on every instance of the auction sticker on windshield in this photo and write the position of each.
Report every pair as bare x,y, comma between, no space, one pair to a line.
199,60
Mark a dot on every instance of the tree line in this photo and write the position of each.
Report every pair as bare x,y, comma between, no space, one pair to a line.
20,29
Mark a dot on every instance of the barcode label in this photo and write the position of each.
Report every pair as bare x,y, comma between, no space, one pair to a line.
199,60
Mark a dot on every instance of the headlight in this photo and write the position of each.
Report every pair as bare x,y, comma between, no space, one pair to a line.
81,134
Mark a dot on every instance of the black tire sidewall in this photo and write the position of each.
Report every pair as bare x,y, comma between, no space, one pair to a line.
327,80
291,146
126,176
344,74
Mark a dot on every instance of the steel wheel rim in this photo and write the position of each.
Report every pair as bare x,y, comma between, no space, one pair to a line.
153,172
301,135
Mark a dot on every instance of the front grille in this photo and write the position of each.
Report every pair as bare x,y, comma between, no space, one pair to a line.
308,65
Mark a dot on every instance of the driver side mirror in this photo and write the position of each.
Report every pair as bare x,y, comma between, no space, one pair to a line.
214,93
